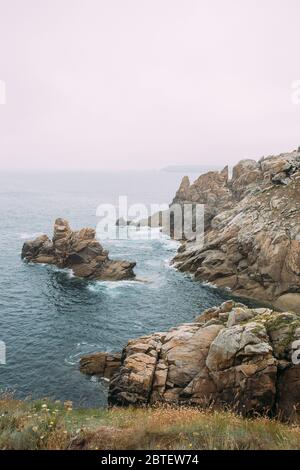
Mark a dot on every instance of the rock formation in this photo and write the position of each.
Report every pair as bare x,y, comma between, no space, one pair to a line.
79,251
229,356
252,237
102,364
210,189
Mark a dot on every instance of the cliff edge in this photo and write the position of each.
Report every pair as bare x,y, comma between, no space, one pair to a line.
252,229
230,356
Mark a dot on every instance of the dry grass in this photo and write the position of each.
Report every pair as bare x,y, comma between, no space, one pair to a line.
53,425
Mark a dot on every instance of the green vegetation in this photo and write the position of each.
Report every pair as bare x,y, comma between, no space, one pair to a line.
53,425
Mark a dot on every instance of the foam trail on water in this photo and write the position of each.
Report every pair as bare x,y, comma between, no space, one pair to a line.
82,349
67,271
209,284
99,286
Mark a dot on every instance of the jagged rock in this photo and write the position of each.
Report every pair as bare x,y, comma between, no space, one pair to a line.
210,189
183,191
252,240
102,364
79,251
245,174
246,366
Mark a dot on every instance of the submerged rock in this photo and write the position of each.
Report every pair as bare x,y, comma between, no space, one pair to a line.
252,237
245,364
79,251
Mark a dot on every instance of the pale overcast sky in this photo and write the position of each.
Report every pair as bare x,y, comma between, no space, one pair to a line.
138,84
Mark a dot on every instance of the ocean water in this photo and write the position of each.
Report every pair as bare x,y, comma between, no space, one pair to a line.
49,318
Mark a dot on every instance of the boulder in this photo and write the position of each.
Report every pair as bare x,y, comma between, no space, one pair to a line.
79,251
288,405
246,365
289,302
100,364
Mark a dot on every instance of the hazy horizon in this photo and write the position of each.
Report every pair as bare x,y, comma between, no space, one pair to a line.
140,85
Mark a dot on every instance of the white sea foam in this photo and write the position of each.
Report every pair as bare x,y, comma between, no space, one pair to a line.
102,286
66,271
169,244
209,284
69,272
82,349
167,263
71,361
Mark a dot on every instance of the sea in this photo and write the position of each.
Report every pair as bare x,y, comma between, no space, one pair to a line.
48,317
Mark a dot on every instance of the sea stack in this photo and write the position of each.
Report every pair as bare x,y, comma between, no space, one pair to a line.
79,251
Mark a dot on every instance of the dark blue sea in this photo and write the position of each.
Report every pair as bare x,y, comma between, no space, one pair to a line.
49,318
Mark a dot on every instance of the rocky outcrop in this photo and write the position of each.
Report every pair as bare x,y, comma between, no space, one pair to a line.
102,364
229,356
252,237
210,189
79,251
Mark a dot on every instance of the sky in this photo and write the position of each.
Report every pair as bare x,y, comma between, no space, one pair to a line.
142,84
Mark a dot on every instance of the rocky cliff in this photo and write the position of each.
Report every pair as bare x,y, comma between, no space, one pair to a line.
252,236
229,356
79,251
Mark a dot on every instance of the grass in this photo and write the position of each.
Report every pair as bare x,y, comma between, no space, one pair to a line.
53,425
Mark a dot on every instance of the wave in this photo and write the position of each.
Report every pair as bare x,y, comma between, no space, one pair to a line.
100,286
67,271
81,350
209,284
170,244
168,265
